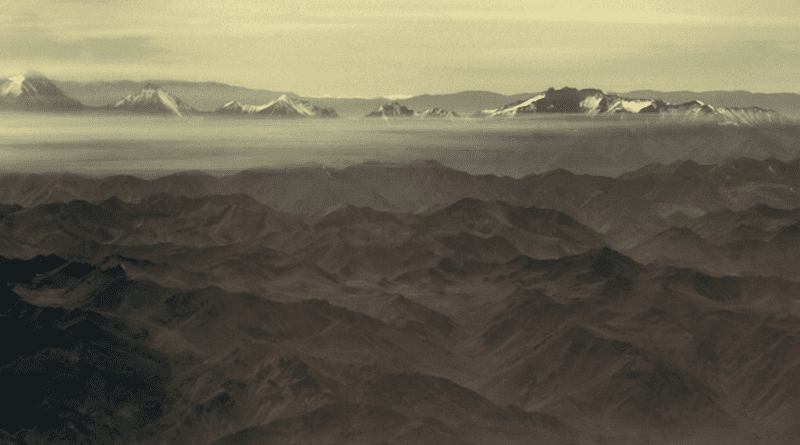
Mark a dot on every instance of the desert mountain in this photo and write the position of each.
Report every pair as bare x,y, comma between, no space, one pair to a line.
760,240
280,107
458,350
596,102
151,99
466,309
33,91
627,210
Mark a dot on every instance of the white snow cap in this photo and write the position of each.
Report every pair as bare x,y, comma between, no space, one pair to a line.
17,79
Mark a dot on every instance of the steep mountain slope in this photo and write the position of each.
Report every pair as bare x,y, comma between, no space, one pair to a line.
589,348
151,99
33,91
228,368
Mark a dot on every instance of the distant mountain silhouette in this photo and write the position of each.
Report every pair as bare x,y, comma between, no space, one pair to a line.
627,210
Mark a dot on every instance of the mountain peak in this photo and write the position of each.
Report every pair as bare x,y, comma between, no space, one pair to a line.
152,99
597,102
33,90
18,79
393,109
283,107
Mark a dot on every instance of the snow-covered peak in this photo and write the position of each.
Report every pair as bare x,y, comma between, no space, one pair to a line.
512,110
395,109
438,112
34,91
283,106
18,79
152,99
597,102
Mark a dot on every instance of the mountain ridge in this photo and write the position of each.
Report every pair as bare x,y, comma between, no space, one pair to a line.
209,94
283,106
594,102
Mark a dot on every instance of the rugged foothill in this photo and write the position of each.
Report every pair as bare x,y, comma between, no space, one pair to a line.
319,305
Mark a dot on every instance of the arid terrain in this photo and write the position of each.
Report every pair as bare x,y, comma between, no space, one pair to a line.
412,303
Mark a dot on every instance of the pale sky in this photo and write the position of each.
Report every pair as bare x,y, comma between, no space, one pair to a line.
370,48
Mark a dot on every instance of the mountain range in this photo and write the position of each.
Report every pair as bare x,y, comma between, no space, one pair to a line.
209,96
638,283
396,109
180,310
596,102
280,107
626,210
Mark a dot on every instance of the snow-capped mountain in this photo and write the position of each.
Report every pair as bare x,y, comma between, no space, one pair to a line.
597,102
438,112
32,90
280,107
152,99
394,109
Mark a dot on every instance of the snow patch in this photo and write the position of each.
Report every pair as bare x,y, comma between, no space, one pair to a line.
591,104
512,110
635,106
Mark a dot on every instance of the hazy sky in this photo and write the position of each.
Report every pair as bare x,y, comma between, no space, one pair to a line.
378,47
